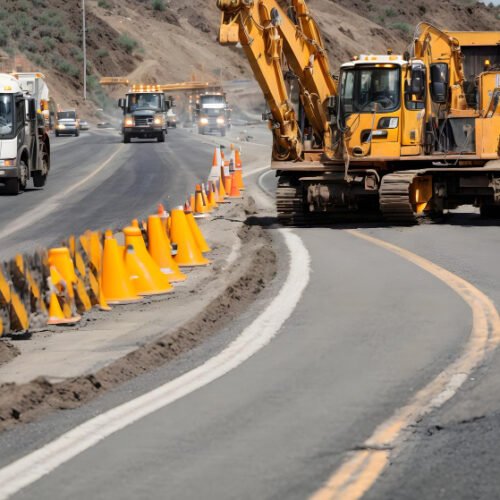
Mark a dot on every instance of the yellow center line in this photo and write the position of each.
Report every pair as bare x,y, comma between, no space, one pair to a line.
362,468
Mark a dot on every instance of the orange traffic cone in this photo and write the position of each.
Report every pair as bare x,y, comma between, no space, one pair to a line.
238,170
117,288
197,234
145,273
188,253
200,208
235,190
216,165
161,209
212,197
222,192
192,201
160,251
56,315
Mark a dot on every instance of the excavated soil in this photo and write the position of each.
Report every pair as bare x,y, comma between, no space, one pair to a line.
257,267
7,351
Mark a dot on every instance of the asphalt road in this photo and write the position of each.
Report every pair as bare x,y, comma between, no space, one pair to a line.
97,182
370,330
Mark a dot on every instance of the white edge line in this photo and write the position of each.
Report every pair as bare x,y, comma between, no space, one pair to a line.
257,335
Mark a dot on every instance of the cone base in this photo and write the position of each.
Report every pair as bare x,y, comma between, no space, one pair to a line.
176,278
198,264
236,197
200,216
158,292
105,308
122,302
64,321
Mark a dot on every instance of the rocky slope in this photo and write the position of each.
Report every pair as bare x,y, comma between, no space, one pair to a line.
162,41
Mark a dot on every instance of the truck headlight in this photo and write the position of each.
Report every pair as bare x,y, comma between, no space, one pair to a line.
220,121
158,120
8,163
129,122
61,126
203,121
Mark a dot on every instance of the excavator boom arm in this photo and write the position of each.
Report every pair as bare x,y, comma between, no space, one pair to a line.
270,36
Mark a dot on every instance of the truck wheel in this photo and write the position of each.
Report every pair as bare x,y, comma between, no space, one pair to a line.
161,137
77,133
12,186
57,134
126,138
223,132
40,177
490,211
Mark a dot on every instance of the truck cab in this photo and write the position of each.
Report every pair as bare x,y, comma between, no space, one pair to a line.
24,143
213,114
144,113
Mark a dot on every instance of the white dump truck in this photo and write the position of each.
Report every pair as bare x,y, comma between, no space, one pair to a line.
24,142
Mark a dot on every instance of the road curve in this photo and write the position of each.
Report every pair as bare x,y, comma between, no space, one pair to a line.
370,330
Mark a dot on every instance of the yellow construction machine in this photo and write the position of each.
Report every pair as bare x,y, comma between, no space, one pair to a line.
402,135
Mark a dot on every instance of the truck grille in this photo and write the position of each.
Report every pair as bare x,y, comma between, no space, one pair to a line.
143,121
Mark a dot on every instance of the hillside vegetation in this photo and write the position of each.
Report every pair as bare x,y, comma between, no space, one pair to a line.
167,41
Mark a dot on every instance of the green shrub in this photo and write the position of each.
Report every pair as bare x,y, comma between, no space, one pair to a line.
127,43
4,36
390,12
67,68
102,53
159,5
401,26
48,43
104,4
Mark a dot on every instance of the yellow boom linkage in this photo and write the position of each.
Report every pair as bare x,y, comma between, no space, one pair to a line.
271,38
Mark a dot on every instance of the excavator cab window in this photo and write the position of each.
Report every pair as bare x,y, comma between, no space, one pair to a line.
365,89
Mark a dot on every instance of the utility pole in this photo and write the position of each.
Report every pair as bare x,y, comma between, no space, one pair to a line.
84,52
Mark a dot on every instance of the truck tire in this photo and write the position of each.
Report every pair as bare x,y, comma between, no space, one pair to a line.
126,138
77,133
57,134
12,186
40,178
161,137
223,132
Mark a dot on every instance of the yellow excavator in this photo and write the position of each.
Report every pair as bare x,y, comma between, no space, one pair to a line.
402,135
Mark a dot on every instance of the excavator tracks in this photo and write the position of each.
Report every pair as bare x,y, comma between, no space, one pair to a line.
290,205
395,203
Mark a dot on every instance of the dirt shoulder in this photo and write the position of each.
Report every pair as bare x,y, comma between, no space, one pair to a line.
144,336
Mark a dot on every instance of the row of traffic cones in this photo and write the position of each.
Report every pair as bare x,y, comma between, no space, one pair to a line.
98,270
124,274
224,183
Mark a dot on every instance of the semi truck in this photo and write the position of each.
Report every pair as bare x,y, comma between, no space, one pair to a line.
24,142
145,110
213,114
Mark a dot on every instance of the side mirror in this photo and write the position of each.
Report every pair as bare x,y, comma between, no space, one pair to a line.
440,80
32,109
121,103
417,82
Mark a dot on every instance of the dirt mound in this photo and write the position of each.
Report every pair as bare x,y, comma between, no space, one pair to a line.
24,403
7,351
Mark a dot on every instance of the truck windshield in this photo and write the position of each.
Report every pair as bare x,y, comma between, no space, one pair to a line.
369,89
66,115
143,101
213,101
6,115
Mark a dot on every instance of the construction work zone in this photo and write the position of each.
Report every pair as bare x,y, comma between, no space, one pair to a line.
101,270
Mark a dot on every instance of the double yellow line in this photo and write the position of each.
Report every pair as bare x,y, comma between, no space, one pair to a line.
363,467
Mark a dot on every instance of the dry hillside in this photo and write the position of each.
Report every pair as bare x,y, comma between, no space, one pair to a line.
163,40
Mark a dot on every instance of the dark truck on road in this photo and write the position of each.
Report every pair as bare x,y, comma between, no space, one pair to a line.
144,113
213,114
